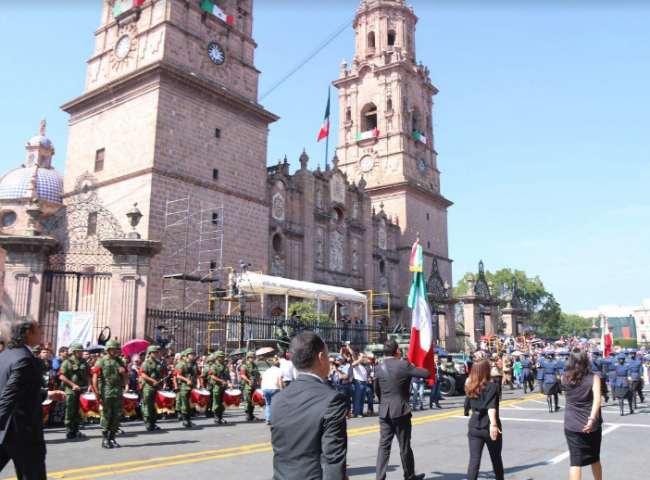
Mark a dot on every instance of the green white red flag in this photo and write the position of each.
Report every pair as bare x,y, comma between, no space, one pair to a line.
606,337
325,129
125,6
421,347
208,6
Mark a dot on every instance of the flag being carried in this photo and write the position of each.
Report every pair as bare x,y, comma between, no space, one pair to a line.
421,347
606,337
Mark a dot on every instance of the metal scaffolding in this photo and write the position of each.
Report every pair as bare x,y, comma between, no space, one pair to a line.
192,256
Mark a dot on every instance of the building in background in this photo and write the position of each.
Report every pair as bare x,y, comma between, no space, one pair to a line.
630,322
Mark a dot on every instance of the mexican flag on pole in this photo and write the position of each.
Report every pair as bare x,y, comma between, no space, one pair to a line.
606,337
325,129
421,346
125,6
208,6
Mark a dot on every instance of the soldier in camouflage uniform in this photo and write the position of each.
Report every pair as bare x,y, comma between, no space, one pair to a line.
188,377
219,379
74,374
207,384
250,377
110,379
177,384
151,374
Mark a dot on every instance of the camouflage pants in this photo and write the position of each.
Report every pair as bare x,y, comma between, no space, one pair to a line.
72,415
149,404
111,413
184,402
247,397
217,402
209,406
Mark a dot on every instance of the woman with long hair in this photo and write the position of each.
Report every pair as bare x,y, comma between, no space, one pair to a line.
582,417
484,424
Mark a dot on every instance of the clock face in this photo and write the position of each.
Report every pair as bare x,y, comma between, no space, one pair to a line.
423,166
367,163
123,47
216,54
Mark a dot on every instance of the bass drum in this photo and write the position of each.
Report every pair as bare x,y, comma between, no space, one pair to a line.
232,398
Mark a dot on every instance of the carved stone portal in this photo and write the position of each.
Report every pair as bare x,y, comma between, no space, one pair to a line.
336,251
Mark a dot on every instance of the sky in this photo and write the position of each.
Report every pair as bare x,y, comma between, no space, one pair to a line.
541,124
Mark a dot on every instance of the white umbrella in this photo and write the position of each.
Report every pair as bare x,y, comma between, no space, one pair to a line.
516,353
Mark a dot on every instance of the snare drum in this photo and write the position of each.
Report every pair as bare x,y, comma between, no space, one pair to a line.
88,406
130,401
165,401
232,398
199,399
258,398
47,406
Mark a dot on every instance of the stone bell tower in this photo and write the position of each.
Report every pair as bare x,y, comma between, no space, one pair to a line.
386,130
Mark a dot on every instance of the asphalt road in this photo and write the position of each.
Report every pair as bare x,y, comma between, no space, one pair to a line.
534,446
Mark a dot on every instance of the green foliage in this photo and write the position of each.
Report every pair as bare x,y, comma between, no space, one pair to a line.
547,321
575,325
308,312
626,342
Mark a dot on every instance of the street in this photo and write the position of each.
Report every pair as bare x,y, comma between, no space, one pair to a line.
534,446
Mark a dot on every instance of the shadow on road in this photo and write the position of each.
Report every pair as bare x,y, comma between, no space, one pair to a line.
368,470
161,444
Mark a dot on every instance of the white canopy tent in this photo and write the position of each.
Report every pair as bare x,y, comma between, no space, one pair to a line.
259,284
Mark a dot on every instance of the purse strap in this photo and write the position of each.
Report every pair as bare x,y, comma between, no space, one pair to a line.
391,382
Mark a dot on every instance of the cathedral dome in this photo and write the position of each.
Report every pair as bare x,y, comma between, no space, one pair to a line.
16,183
39,141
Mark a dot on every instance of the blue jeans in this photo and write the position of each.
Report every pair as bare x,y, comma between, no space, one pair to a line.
518,379
434,394
346,391
268,395
418,391
362,392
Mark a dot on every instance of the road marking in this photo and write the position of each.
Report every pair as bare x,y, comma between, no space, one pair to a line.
541,420
141,465
566,454
515,408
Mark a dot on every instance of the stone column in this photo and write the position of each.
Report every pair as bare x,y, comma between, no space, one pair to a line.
509,318
492,327
448,329
26,260
472,314
130,285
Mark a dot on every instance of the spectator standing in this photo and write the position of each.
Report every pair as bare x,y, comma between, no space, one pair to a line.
484,424
340,381
582,416
434,393
517,371
271,384
57,363
418,392
361,388
288,370
346,369
507,372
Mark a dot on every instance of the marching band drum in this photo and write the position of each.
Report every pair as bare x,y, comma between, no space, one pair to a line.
165,401
130,401
232,397
89,406
47,406
199,399
258,398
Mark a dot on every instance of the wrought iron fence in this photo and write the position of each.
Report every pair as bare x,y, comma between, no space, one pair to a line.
207,332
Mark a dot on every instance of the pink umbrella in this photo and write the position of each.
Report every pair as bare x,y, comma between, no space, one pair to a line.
134,346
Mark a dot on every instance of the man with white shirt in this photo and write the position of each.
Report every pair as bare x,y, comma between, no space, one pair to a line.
288,370
21,398
362,391
309,431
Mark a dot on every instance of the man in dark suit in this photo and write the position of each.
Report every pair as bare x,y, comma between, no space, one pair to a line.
308,418
21,398
394,409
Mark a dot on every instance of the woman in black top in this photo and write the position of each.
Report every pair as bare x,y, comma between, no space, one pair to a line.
582,417
484,424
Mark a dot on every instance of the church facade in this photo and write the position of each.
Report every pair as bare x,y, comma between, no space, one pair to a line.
170,111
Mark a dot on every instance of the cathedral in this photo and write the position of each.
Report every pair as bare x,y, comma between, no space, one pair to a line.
162,195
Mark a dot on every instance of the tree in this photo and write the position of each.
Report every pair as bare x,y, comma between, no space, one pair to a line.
547,322
308,312
574,325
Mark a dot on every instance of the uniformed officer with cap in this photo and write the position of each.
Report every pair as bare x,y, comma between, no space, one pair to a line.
551,382
621,387
250,377
188,376
110,378
527,372
74,374
600,369
219,379
151,375
636,373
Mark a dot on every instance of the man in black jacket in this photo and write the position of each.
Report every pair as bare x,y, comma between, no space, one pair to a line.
308,418
21,398
394,409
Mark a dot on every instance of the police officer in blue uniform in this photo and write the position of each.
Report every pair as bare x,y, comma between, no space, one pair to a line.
621,387
636,373
601,370
551,382
527,372
540,369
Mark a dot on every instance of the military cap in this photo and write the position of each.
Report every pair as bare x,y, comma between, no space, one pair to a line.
76,346
250,354
190,350
112,344
621,355
526,354
596,351
152,349
633,350
210,358
218,353
36,349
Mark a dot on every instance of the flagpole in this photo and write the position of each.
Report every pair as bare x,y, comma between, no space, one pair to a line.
327,140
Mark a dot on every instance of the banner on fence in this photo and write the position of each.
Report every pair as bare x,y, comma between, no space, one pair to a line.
75,327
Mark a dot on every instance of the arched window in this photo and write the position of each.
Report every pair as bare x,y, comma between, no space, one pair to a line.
348,114
277,243
371,40
369,117
391,38
382,267
389,104
416,121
